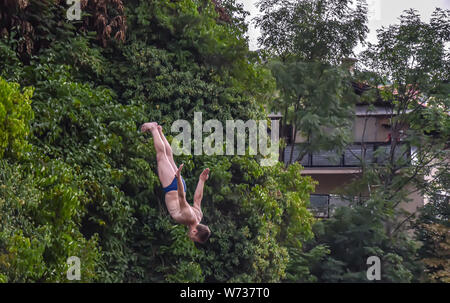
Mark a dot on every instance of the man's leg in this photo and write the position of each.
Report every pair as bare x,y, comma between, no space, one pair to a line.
166,172
169,152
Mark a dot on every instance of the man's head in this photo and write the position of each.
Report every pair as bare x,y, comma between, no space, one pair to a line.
199,233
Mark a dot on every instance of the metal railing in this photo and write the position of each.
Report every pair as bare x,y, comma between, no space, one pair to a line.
353,156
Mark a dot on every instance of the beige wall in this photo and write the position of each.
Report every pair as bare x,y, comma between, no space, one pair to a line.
375,131
331,184
416,202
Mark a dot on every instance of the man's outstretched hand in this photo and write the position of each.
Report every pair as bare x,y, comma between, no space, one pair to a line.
146,127
179,171
204,175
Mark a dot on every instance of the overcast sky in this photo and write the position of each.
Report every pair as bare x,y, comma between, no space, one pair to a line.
381,13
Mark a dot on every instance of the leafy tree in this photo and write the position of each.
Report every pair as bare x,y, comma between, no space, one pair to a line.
38,23
432,230
308,39
408,72
15,115
351,235
40,203
410,65
312,30
318,102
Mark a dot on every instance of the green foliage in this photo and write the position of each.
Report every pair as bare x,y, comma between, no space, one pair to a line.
432,229
302,262
86,128
305,41
438,265
11,65
263,219
41,209
312,30
408,68
15,116
351,236
96,173
316,99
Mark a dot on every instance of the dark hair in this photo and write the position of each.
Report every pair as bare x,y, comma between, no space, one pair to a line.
203,233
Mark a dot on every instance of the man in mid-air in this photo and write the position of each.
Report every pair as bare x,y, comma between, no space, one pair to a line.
175,187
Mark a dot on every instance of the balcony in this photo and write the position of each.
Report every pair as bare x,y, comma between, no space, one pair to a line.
352,157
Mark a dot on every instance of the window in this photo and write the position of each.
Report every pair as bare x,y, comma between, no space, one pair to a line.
319,205
323,206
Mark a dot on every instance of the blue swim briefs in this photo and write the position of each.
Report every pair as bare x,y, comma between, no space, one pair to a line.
174,185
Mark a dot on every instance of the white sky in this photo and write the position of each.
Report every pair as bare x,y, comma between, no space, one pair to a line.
381,13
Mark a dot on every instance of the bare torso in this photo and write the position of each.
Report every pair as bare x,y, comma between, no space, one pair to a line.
187,216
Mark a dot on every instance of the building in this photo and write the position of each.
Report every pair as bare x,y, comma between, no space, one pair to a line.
371,144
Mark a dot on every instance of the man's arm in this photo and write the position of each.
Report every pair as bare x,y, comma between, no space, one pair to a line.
180,190
198,195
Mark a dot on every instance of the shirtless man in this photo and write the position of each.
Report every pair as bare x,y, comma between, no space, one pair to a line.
175,187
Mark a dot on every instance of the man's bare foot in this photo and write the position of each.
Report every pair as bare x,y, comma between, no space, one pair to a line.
159,128
149,126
